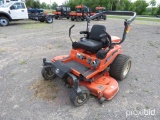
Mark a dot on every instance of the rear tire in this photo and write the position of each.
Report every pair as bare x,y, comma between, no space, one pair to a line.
49,19
78,19
76,100
4,21
104,17
41,20
120,67
56,17
72,19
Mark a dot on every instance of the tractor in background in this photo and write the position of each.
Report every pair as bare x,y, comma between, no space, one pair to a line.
98,10
80,13
62,12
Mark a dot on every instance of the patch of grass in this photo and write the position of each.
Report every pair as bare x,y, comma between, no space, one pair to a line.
2,50
147,91
23,62
34,25
137,108
152,44
136,79
146,107
123,96
13,74
59,46
48,11
45,90
49,46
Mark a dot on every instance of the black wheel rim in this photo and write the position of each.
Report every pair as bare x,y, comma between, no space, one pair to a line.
49,19
80,101
49,73
127,68
3,21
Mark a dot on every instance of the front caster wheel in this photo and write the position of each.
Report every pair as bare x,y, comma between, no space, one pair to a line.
79,100
101,100
47,73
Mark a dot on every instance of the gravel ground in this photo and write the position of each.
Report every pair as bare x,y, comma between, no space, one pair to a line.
25,96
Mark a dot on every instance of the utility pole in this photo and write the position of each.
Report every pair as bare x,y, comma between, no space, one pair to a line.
111,4
50,4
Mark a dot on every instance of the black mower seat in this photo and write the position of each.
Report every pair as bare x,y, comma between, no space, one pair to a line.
90,45
93,43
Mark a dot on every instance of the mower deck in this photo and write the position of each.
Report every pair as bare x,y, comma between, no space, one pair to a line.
105,86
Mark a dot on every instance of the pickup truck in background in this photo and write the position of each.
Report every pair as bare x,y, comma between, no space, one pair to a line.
16,10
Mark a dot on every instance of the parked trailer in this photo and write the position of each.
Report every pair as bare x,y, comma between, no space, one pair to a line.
16,10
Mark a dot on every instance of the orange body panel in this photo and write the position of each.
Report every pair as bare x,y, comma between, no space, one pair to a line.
45,13
100,85
79,6
99,8
59,58
76,14
105,86
72,13
56,13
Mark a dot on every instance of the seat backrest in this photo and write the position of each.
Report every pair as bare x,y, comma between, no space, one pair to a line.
96,31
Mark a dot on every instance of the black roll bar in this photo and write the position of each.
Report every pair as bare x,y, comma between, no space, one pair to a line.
127,22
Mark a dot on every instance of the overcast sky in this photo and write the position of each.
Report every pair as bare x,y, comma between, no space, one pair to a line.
59,2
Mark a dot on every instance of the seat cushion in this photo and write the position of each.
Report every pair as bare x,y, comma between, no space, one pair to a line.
96,31
90,45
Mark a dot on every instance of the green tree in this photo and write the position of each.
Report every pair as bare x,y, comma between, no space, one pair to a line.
124,5
153,3
29,3
36,4
43,5
158,10
139,6
54,5
48,6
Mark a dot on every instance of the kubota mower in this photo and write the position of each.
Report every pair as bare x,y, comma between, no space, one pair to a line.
94,64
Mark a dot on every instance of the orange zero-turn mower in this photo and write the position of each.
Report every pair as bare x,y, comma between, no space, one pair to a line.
94,64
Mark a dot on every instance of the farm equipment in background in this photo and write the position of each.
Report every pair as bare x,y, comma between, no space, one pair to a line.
98,10
80,13
62,12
